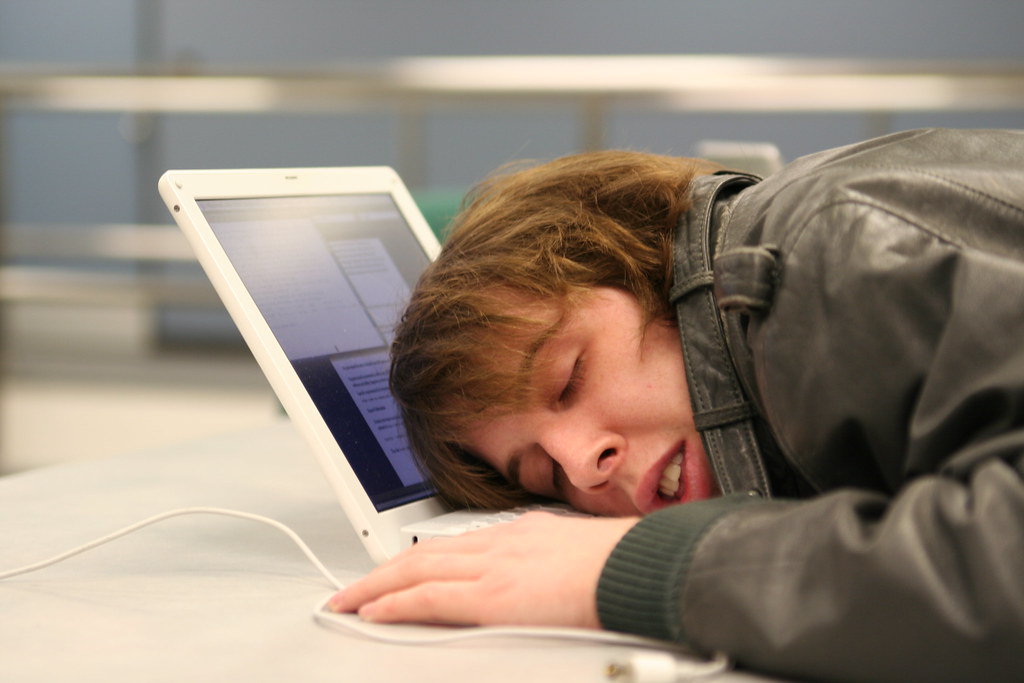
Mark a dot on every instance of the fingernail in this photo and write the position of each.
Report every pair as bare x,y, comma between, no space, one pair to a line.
335,603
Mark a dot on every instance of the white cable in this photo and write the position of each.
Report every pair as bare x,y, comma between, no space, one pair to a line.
410,634
395,634
644,667
176,513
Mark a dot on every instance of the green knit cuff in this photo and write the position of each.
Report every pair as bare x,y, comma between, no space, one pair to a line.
640,585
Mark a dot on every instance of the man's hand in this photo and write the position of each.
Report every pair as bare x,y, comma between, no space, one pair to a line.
541,569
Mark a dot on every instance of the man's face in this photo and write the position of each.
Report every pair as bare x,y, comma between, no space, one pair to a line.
612,431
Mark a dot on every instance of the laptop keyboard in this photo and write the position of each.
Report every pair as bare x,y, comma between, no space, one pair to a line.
484,520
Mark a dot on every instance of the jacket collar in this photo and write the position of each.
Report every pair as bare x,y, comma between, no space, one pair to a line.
722,412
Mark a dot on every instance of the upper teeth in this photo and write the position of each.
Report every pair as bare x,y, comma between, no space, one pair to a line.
669,484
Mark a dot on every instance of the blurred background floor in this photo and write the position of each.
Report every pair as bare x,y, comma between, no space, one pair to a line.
88,381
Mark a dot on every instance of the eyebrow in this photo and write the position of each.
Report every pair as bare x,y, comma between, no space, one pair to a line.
515,459
514,462
530,358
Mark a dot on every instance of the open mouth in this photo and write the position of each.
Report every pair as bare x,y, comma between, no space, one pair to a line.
670,486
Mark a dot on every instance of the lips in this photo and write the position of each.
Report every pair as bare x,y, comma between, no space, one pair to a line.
665,482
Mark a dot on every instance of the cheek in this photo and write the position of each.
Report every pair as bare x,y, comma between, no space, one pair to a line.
666,371
655,369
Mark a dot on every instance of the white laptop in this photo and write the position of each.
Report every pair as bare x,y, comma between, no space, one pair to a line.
315,265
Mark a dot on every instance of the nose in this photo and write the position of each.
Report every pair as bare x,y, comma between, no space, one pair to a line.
589,459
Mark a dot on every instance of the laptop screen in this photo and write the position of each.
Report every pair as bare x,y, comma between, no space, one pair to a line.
331,275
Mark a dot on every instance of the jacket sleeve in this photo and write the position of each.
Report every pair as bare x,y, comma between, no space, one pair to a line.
891,369
852,585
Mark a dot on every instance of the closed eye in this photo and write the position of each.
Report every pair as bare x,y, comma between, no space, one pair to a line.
572,385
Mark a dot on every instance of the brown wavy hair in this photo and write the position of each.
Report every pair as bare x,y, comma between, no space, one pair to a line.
543,234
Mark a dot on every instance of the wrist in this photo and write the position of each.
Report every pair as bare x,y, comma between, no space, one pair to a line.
640,585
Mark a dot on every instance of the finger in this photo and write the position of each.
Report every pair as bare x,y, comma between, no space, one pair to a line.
404,572
437,602
463,557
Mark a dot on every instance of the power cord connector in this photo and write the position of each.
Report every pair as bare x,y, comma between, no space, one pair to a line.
650,666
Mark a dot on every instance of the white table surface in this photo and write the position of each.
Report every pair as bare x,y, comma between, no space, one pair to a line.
209,598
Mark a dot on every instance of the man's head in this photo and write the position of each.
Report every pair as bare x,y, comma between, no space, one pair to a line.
529,245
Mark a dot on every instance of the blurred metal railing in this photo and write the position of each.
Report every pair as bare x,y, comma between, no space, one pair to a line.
412,88
101,264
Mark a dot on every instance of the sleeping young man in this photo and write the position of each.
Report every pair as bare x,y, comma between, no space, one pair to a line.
796,405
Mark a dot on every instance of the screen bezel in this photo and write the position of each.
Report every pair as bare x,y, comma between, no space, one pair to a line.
182,190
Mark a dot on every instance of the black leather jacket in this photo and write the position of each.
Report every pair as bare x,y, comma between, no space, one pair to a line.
853,331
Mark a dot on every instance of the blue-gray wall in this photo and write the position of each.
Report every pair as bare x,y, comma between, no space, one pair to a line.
62,167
